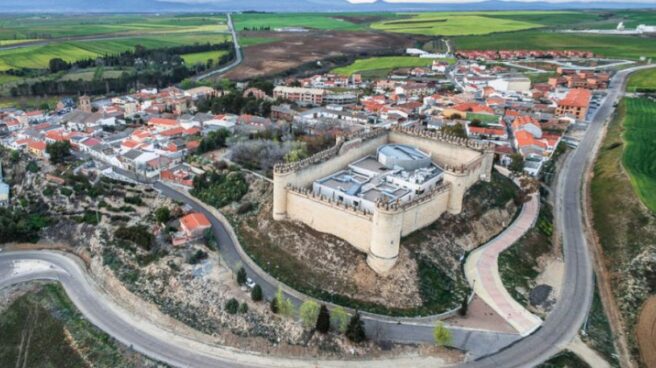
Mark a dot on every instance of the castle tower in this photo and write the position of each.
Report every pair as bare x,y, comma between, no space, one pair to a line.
385,239
280,181
85,103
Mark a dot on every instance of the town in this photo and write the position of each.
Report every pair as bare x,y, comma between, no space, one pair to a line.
340,189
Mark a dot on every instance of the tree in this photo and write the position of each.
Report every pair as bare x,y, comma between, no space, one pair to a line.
309,311
58,151
241,276
323,320
58,64
517,163
355,329
442,335
341,319
162,215
256,293
231,306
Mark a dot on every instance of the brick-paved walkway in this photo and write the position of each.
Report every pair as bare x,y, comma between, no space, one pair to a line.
482,271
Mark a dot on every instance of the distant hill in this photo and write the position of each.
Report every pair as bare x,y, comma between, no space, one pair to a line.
138,6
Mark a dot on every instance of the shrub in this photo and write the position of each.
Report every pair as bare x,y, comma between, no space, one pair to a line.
139,234
49,191
66,191
162,215
32,167
231,306
309,311
243,308
256,293
341,319
197,257
135,200
442,335
285,306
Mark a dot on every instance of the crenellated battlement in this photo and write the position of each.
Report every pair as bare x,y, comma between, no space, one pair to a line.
308,193
440,137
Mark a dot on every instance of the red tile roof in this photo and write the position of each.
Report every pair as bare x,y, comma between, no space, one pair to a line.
194,221
576,97
163,122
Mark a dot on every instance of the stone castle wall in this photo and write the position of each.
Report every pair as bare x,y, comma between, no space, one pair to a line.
379,233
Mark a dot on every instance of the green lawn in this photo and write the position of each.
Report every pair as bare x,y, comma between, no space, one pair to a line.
385,63
202,57
279,20
50,26
454,24
606,45
39,56
643,79
639,157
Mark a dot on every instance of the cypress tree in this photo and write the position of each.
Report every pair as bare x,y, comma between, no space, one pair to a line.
323,320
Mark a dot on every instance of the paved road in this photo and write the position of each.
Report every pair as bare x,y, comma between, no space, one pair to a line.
238,54
563,323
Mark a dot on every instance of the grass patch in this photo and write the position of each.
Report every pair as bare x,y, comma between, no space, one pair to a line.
642,80
453,24
202,57
255,21
384,64
15,28
639,157
38,57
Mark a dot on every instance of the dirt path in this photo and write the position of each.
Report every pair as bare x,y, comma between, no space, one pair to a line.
603,277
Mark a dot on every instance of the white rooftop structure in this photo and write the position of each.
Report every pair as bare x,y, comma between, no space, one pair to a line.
397,173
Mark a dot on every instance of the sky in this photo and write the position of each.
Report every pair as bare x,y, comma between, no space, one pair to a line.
470,1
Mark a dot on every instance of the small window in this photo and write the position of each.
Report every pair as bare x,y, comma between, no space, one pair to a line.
340,198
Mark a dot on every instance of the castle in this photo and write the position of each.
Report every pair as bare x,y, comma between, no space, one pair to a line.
373,188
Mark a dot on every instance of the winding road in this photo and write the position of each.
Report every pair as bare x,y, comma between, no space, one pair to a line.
238,54
559,328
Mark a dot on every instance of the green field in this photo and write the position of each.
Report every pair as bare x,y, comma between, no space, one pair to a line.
384,64
274,20
606,45
454,24
39,56
639,157
643,79
47,26
202,57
